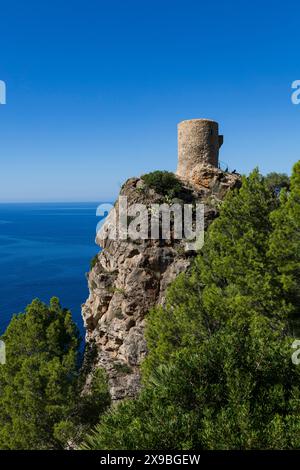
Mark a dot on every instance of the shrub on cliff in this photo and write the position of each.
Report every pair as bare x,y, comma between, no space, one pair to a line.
163,182
40,406
93,261
219,373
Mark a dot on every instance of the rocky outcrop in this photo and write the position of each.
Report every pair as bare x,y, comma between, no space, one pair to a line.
208,180
131,276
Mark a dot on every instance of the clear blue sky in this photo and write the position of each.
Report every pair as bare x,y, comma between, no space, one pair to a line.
95,89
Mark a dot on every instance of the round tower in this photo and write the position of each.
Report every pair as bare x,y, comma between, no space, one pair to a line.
198,144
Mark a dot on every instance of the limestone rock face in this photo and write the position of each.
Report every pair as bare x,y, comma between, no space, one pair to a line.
131,276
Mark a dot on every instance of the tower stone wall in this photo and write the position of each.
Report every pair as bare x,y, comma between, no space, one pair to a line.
198,145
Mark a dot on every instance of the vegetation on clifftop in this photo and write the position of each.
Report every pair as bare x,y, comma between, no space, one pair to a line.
163,182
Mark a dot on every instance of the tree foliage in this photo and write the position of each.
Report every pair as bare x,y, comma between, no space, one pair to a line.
40,403
285,243
236,390
277,181
219,374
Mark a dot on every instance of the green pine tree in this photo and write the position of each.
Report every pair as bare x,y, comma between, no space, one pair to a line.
236,390
40,402
285,244
232,275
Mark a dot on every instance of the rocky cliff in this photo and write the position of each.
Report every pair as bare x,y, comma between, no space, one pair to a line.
131,276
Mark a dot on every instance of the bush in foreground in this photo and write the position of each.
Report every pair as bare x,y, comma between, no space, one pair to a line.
41,406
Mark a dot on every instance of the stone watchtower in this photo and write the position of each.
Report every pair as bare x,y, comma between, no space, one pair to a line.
198,146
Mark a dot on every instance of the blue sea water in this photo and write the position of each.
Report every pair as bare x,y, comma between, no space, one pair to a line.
45,251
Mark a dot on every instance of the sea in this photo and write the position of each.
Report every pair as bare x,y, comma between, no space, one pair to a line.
45,251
